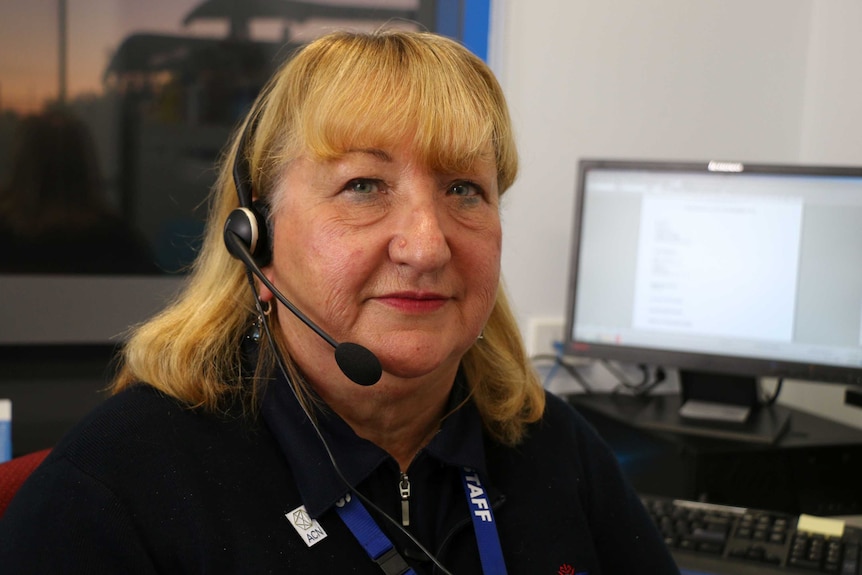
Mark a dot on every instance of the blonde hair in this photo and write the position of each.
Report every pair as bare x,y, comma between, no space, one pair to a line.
342,91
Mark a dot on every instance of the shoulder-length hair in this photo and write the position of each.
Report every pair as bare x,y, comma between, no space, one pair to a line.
342,91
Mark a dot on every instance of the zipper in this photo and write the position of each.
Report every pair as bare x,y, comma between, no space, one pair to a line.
404,491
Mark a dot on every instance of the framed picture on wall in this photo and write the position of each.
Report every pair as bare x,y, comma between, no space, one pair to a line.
155,89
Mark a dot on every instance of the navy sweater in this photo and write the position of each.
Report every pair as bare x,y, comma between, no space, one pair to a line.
146,485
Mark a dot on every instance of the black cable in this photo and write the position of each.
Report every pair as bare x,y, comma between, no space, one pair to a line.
622,380
280,361
637,389
767,401
659,378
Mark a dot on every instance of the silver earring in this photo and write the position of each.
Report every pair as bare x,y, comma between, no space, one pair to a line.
265,307
256,330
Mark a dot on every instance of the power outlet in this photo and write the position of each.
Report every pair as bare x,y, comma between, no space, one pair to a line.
544,332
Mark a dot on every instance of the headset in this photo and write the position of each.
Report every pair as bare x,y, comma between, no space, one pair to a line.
249,221
247,238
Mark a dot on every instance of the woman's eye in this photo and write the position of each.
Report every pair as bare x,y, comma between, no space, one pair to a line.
464,189
363,186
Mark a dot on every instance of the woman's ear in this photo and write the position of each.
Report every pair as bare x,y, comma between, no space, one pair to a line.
264,293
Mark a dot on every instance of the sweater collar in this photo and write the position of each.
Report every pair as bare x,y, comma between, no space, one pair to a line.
458,443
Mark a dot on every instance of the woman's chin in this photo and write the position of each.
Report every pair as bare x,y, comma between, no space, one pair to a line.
418,363
419,353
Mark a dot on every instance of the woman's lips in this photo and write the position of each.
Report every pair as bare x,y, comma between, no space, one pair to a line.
412,302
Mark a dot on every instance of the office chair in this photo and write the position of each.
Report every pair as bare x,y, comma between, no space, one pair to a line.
14,472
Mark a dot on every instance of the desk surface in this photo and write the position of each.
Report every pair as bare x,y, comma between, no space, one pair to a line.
811,468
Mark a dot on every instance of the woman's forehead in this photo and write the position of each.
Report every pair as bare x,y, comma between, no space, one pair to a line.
438,151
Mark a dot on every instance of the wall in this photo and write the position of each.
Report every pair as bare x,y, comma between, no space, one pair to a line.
832,124
768,81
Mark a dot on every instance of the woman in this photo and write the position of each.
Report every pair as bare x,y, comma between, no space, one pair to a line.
378,162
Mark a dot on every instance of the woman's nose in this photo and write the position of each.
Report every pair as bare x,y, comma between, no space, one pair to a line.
420,239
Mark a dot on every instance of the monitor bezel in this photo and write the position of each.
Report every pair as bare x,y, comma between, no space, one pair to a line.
689,360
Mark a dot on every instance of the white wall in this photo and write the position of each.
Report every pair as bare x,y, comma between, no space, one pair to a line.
765,80
832,124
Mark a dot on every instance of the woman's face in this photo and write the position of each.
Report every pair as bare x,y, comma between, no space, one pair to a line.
382,251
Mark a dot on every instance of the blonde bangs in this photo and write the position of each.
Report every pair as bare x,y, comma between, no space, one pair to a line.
377,92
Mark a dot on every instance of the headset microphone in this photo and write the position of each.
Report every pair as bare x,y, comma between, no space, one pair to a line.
246,236
358,363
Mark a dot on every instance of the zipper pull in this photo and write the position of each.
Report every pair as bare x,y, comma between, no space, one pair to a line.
404,490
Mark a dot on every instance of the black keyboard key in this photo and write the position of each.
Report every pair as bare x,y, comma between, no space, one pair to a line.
708,535
801,563
850,564
714,548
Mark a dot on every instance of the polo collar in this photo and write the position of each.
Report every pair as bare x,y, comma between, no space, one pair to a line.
458,443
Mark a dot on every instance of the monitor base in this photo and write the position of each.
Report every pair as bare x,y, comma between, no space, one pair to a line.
666,413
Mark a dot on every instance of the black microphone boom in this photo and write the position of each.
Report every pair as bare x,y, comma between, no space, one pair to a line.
358,363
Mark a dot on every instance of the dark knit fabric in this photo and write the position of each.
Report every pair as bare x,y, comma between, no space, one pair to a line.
146,485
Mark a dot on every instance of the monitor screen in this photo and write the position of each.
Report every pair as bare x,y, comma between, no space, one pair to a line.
751,270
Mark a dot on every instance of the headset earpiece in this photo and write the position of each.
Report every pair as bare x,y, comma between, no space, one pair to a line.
250,226
249,221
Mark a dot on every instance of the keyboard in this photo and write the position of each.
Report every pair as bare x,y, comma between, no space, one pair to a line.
706,538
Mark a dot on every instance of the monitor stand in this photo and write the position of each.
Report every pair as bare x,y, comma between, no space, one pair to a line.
715,405
661,413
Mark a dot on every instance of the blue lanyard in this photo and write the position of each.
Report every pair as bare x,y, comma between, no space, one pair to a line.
382,551
376,544
484,525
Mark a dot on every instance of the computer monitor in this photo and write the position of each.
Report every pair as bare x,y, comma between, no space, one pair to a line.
728,272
